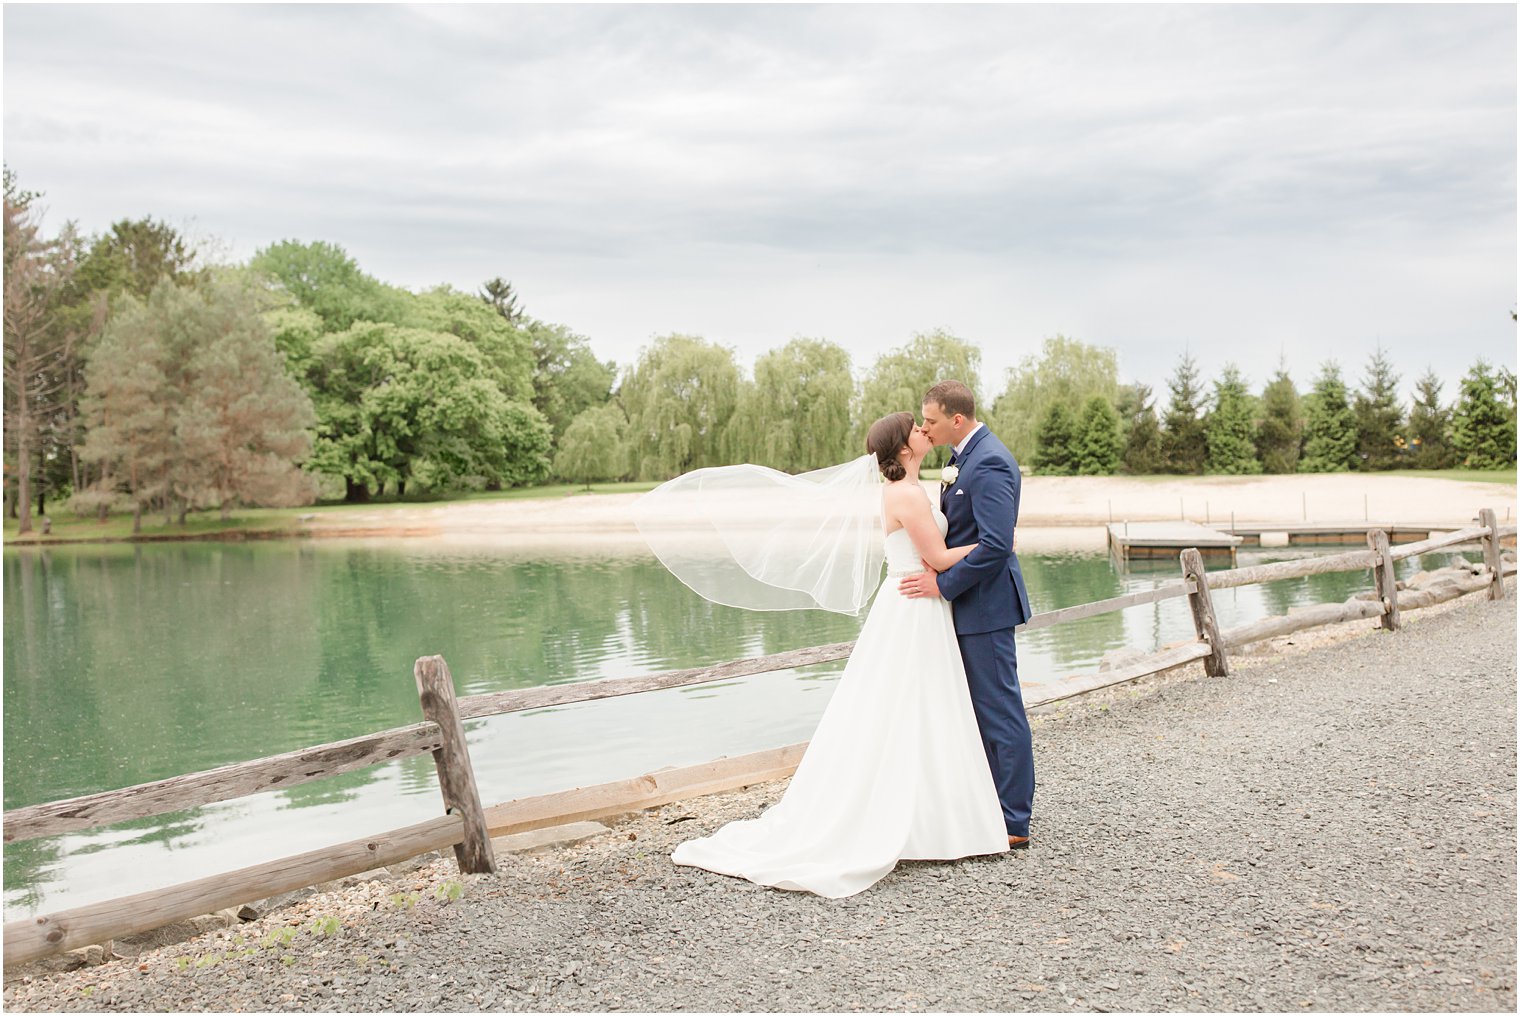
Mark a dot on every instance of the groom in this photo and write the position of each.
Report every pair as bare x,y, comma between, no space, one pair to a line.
986,590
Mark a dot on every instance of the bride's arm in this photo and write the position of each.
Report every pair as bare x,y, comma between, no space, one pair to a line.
909,507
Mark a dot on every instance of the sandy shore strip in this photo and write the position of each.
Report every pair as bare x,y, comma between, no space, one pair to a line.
1056,512
1330,828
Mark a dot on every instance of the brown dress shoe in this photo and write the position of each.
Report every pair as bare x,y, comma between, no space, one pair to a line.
1018,843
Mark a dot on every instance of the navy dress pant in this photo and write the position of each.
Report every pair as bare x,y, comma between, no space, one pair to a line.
992,672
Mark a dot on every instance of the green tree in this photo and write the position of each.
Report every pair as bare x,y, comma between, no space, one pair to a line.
1429,422
795,416
188,404
133,257
246,423
679,397
1482,431
898,379
322,278
1066,370
568,379
592,446
419,410
130,259
499,295
1280,432
1330,425
1230,426
1142,431
1057,449
128,432
1184,446
38,352
507,350
1379,418
1098,447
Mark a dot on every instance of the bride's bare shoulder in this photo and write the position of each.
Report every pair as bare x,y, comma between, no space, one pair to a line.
904,493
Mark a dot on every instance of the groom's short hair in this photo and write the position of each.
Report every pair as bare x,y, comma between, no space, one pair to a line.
953,397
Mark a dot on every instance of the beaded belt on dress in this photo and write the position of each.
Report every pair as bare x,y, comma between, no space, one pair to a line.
904,574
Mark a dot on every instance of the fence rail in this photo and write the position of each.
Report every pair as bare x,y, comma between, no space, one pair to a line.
468,827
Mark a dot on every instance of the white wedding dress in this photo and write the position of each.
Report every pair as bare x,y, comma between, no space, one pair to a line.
895,770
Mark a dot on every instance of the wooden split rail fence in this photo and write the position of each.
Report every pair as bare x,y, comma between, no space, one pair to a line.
467,826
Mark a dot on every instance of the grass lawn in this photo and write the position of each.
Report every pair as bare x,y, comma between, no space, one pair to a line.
1504,476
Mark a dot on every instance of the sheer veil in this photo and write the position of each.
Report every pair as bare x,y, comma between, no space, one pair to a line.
753,537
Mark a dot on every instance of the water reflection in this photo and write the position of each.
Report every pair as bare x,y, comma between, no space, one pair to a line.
127,664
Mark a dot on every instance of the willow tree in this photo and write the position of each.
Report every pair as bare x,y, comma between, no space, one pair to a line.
1065,371
899,378
679,398
592,446
795,415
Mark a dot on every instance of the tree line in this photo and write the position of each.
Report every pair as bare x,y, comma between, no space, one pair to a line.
1226,428
141,378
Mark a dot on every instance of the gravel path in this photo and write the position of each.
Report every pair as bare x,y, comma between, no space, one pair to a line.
1332,829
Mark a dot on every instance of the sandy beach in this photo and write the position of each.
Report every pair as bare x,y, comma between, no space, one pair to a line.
1056,512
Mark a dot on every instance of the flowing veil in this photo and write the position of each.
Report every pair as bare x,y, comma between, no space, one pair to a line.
758,538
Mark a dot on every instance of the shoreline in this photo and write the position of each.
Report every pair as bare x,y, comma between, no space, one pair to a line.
1056,512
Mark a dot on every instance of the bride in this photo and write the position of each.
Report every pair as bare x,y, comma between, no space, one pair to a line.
896,769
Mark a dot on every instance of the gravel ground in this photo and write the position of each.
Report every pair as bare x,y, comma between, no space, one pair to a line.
1326,829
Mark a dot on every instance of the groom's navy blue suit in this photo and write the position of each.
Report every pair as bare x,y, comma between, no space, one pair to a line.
986,590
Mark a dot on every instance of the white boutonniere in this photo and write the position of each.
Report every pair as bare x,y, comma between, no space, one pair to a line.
947,476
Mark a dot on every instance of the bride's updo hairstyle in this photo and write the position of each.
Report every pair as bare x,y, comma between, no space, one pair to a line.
885,439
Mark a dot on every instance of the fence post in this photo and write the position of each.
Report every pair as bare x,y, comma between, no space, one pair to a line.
1493,555
456,777
1383,581
1216,664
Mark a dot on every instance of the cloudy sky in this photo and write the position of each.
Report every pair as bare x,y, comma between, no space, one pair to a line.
1249,183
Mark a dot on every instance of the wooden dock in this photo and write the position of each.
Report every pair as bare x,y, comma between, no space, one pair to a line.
1132,541
1142,541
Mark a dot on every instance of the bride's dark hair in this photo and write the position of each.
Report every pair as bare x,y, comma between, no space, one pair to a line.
885,439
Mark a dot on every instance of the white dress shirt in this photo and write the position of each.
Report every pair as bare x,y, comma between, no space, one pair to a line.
962,446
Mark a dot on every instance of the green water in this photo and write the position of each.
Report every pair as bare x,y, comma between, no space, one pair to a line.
127,664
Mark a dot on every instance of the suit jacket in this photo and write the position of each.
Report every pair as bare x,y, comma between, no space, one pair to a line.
982,507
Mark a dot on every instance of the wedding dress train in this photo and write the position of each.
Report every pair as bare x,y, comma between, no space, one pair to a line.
895,770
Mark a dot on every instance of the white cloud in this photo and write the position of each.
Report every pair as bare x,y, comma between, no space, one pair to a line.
1245,180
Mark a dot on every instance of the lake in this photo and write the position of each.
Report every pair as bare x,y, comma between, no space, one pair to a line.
125,664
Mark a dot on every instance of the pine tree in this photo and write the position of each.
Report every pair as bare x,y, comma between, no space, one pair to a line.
1330,429
1482,434
1280,434
1378,416
1056,451
1230,426
1184,446
1429,421
1098,444
1142,439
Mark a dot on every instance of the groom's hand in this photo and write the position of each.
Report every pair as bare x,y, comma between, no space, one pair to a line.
914,587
